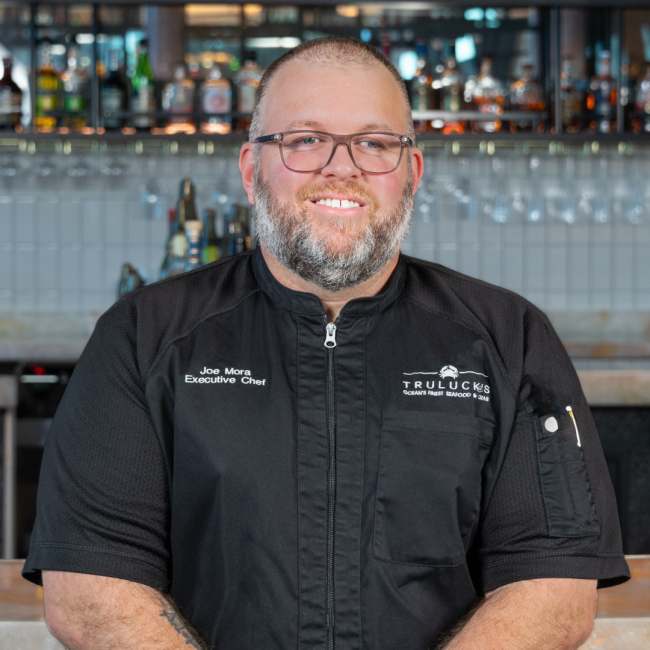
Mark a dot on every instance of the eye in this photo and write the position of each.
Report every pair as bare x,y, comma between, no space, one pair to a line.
310,139
371,144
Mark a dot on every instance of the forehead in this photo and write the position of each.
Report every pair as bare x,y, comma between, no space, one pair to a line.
334,98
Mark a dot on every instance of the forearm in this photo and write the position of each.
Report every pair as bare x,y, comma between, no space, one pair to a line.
545,614
96,613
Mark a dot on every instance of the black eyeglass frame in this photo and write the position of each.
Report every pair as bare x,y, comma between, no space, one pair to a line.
338,139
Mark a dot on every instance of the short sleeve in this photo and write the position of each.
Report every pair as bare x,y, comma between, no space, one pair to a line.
552,512
103,496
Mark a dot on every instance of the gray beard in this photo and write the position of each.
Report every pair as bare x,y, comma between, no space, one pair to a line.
286,233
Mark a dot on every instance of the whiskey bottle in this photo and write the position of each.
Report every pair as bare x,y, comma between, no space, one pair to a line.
178,100
75,93
114,94
572,98
642,103
527,95
422,88
602,96
48,92
247,82
193,258
11,98
216,103
451,95
487,95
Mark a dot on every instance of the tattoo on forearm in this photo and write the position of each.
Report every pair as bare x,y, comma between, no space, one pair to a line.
177,623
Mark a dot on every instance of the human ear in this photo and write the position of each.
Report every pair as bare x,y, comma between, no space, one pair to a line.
247,169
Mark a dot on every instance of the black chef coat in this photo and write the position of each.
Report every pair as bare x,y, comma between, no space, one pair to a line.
359,495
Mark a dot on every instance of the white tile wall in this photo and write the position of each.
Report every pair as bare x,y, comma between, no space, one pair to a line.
68,222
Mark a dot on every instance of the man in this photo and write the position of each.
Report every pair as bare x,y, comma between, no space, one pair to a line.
323,444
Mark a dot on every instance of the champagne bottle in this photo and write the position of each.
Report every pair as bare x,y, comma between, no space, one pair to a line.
144,96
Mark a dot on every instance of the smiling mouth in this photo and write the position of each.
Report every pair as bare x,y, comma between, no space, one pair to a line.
341,204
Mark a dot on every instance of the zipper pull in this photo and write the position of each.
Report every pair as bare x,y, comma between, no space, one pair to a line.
330,335
575,424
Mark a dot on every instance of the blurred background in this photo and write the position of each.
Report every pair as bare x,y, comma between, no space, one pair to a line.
120,128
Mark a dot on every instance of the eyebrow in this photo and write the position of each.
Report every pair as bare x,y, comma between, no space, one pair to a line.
311,124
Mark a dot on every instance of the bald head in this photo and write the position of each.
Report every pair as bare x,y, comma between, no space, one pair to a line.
339,55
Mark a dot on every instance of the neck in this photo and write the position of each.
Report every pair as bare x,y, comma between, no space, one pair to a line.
333,301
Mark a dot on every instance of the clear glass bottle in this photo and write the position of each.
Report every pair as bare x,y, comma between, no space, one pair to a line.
114,94
642,102
486,94
527,95
211,249
178,98
216,102
602,96
451,95
247,81
423,98
48,92
11,99
75,93
572,98
144,92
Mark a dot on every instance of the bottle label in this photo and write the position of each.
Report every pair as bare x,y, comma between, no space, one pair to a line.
144,101
247,98
46,102
217,100
112,101
10,102
74,103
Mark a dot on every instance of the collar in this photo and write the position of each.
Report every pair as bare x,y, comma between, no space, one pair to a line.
310,304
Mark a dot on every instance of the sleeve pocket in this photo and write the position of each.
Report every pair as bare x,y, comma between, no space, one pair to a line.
569,502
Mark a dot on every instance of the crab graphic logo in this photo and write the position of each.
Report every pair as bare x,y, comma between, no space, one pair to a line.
449,372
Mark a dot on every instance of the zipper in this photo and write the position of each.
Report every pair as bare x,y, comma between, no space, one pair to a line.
330,344
575,424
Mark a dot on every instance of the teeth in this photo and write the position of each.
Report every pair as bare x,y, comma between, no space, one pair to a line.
335,203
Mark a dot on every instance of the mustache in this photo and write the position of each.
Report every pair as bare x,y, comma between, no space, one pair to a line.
309,192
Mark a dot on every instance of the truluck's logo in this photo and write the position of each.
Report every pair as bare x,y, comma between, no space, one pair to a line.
454,387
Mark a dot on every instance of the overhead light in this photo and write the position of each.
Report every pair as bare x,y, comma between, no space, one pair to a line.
273,42
465,48
39,379
57,49
84,39
347,11
475,13
407,64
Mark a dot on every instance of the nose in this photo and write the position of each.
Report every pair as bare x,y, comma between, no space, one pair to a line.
341,166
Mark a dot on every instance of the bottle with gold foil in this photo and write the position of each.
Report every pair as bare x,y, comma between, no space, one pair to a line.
48,92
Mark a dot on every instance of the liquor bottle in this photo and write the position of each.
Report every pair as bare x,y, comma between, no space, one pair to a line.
572,99
642,103
48,92
144,94
114,94
527,95
193,258
216,100
11,99
247,81
422,87
602,96
451,95
169,253
237,238
130,280
178,241
188,193
487,95
211,249
75,93
178,98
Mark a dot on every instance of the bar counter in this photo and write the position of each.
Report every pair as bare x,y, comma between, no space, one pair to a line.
622,623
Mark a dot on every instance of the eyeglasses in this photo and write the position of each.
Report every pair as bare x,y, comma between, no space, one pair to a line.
311,151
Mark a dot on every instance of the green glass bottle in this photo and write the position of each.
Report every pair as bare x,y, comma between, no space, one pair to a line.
144,95
211,249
